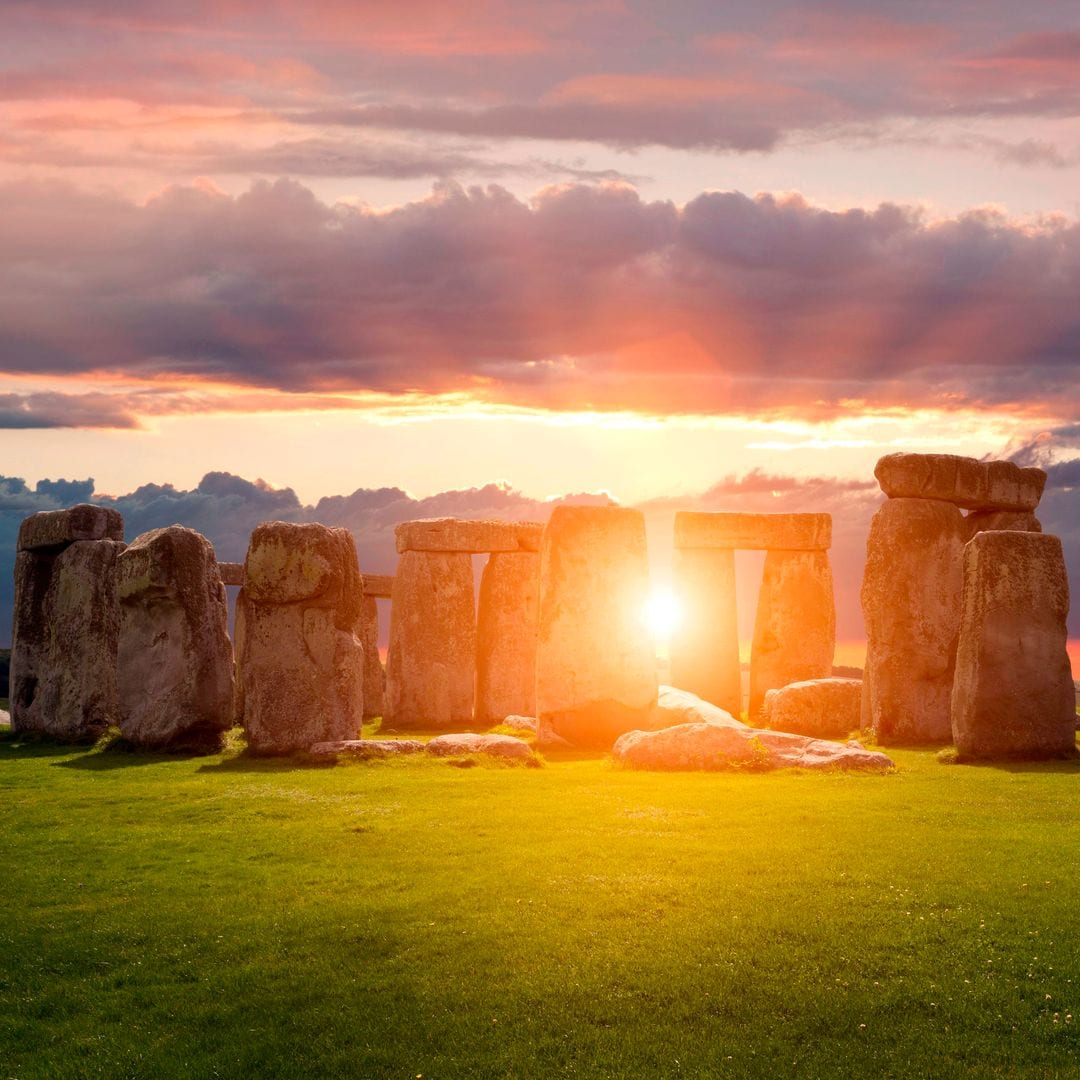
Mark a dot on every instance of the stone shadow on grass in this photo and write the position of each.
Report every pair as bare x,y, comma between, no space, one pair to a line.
118,753
18,744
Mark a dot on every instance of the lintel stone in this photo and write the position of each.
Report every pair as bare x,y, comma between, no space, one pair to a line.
753,532
962,481
471,537
57,528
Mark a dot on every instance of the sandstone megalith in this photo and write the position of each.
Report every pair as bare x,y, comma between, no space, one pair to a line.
911,606
965,482
506,636
1013,692
301,665
174,657
374,677
705,643
822,708
63,655
795,627
595,663
431,663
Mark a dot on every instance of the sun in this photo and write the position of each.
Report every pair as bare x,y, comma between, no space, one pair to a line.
662,613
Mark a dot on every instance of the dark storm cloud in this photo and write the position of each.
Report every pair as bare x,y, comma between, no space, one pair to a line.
586,297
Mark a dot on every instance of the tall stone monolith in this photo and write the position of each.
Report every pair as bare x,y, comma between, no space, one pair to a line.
795,628
431,662
174,657
911,607
705,643
1013,692
596,661
301,663
506,637
374,677
63,656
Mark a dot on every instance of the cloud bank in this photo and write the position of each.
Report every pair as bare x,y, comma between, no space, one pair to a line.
586,297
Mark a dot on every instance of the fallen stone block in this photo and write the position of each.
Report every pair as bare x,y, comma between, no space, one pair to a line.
821,708
519,723
501,746
962,481
367,749
1013,690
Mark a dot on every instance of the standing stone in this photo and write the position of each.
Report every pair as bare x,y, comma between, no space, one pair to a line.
506,637
174,657
595,662
431,664
996,520
911,606
1013,692
705,644
63,654
795,628
374,678
301,664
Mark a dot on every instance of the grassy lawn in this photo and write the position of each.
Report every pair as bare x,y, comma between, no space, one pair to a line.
233,917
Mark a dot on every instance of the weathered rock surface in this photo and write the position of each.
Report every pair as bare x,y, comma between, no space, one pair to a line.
506,636
5,718
174,658
1013,690
58,528
63,654
595,662
232,573
367,630
519,723
911,606
822,708
471,537
301,664
753,532
367,749
795,628
431,663
708,738
996,520
963,481
705,644
676,706
378,585
502,746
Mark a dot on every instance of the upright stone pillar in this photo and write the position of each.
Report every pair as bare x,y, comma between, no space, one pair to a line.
911,586
174,658
1013,691
431,664
705,643
63,656
795,628
596,661
506,637
368,632
301,664
911,607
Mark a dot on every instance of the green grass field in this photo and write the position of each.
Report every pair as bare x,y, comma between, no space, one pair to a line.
233,917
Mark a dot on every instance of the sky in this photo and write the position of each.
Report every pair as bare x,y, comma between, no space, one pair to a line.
651,251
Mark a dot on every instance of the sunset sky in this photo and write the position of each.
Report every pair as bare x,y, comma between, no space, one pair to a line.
640,247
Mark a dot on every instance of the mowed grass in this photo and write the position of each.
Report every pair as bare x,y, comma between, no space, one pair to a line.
225,916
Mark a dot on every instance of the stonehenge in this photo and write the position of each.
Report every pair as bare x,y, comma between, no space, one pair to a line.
964,599
64,635
174,658
300,663
595,658
448,664
1013,691
795,628
912,581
